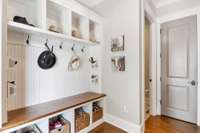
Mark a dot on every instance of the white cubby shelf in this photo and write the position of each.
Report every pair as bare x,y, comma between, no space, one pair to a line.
62,107
51,13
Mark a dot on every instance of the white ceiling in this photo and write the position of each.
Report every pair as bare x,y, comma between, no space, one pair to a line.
164,7
162,3
103,7
90,3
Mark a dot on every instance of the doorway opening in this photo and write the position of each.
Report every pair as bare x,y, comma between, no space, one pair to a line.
147,70
179,50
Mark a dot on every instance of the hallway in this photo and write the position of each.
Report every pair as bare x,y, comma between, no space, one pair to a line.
162,124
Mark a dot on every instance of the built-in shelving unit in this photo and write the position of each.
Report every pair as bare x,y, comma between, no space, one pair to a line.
13,26
60,21
40,114
51,19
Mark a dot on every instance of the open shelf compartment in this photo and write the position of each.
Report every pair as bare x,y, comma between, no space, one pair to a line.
80,26
94,32
30,9
57,18
59,124
97,110
82,117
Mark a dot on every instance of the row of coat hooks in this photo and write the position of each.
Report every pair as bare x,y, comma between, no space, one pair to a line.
60,46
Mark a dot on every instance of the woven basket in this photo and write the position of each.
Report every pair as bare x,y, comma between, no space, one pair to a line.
82,121
97,115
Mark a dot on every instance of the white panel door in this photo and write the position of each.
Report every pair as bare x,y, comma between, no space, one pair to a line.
179,69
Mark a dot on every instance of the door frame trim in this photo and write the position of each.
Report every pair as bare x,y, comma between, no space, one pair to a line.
148,12
176,16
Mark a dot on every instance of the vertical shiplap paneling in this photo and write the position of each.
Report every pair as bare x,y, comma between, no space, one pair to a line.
57,82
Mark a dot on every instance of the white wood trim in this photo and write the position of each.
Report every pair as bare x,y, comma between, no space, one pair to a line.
198,88
179,15
3,62
142,62
151,15
158,88
122,124
154,69
1,99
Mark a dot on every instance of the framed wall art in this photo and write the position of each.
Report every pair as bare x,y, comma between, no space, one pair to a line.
118,43
118,63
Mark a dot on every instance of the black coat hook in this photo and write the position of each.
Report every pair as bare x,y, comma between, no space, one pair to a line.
46,45
73,47
28,40
83,49
61,45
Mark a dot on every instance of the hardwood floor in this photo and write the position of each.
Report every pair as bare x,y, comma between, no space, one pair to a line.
161,124
158,124
107,128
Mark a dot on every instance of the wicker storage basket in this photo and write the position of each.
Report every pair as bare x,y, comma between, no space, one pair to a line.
64,129
82,121
97,115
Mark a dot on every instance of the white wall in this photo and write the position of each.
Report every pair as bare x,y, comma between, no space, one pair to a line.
122,88
57,82
3,82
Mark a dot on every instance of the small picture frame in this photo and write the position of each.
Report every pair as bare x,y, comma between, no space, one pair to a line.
118,63
118,43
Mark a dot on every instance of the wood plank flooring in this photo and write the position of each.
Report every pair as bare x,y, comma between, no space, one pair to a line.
161,124
158,124
107,128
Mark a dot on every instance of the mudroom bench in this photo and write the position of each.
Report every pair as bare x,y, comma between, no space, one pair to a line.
70,108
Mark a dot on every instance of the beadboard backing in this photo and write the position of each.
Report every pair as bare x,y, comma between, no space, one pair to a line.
40,85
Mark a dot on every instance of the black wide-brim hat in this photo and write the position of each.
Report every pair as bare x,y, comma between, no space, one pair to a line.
47,59
22,20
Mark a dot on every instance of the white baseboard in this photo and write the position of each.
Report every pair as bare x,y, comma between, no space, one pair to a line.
122,124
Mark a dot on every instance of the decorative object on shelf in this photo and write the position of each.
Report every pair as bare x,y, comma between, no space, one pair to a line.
75,61
93,39
30,129
95,79
47,59
53,28
118,63
118,43
59,125
93,62
76,33
82,119
22,20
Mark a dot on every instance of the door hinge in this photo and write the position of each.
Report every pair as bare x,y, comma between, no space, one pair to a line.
161,79
160,31
160,55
